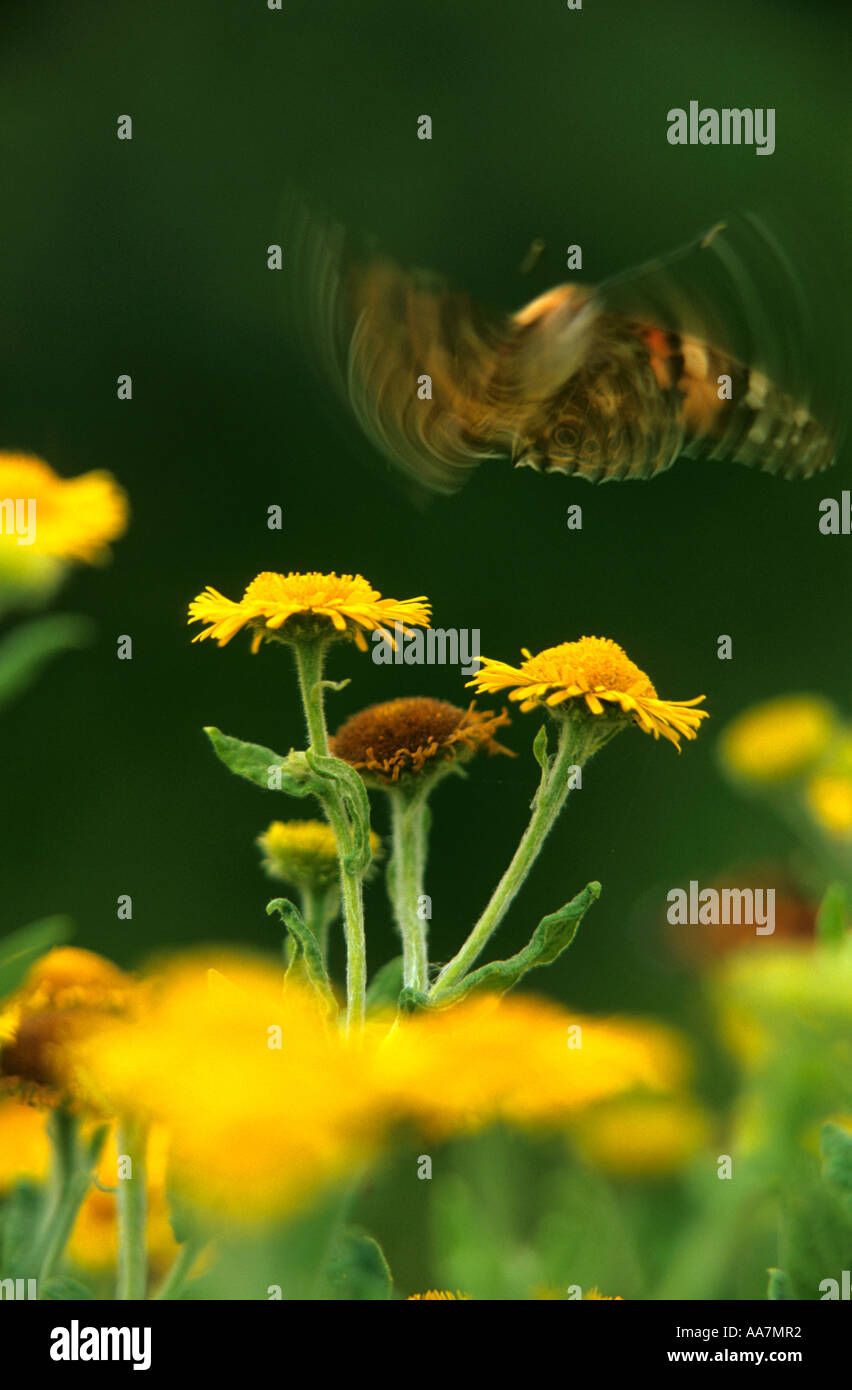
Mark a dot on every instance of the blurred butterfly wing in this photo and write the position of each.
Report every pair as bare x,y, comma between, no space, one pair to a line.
729,305
414,360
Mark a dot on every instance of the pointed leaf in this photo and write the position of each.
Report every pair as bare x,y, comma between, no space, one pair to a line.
550,938
385,985
31,646
836,1150
540,748
358,1269
308,953
21,948
254,762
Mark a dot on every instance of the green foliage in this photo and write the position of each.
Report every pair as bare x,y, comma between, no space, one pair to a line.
28,648
551,937
386,985
358,1269
61,1288
22,947
834,915
307,955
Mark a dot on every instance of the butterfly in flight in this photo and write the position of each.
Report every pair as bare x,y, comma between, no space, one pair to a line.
661,362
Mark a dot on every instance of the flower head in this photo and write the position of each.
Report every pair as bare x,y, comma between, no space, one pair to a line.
48,522
287,607
644,1137
778,738
829,799
592,673
303,853
64,996
411,737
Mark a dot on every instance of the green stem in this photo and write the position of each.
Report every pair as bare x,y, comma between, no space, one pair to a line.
72,1167
575,746
319,909
132,1141
309,664
409,815
172,1285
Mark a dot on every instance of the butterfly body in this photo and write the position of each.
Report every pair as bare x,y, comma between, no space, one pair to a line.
604,384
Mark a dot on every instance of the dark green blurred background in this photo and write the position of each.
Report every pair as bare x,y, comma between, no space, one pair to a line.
149,257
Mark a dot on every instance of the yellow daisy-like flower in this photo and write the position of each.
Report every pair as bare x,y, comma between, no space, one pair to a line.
304,853
290,606
595,672
434,1294
829,798
595,1296
71,518
778,738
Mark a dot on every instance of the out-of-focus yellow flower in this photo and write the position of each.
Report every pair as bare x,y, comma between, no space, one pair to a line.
266,1103
596,674
595,1296
65,995
828,795
290,606
303,853
778,739
642,1137
522,1060
434,1294
263,1103
24,1146
48,522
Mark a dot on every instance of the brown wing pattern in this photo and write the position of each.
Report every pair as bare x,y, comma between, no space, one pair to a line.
568,384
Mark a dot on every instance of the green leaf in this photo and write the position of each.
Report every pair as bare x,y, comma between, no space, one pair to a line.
540,748
21,948
779,1286
308,954
836,1151
385,985
358,1269
21,1214
28,648
61,1288
411,999
254,762
550,938
833,915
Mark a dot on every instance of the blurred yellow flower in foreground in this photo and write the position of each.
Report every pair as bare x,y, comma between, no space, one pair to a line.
778,738
47,522
64,996
265,1103
642,1137
595,673
521,1059
290,606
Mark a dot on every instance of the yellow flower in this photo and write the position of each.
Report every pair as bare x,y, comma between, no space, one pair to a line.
413,736
522,1060
778,738
829,799
303,853
595,1296
24,1147
264,1105
64,996
47,521
642,1137
439,1294
290,606
594,672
